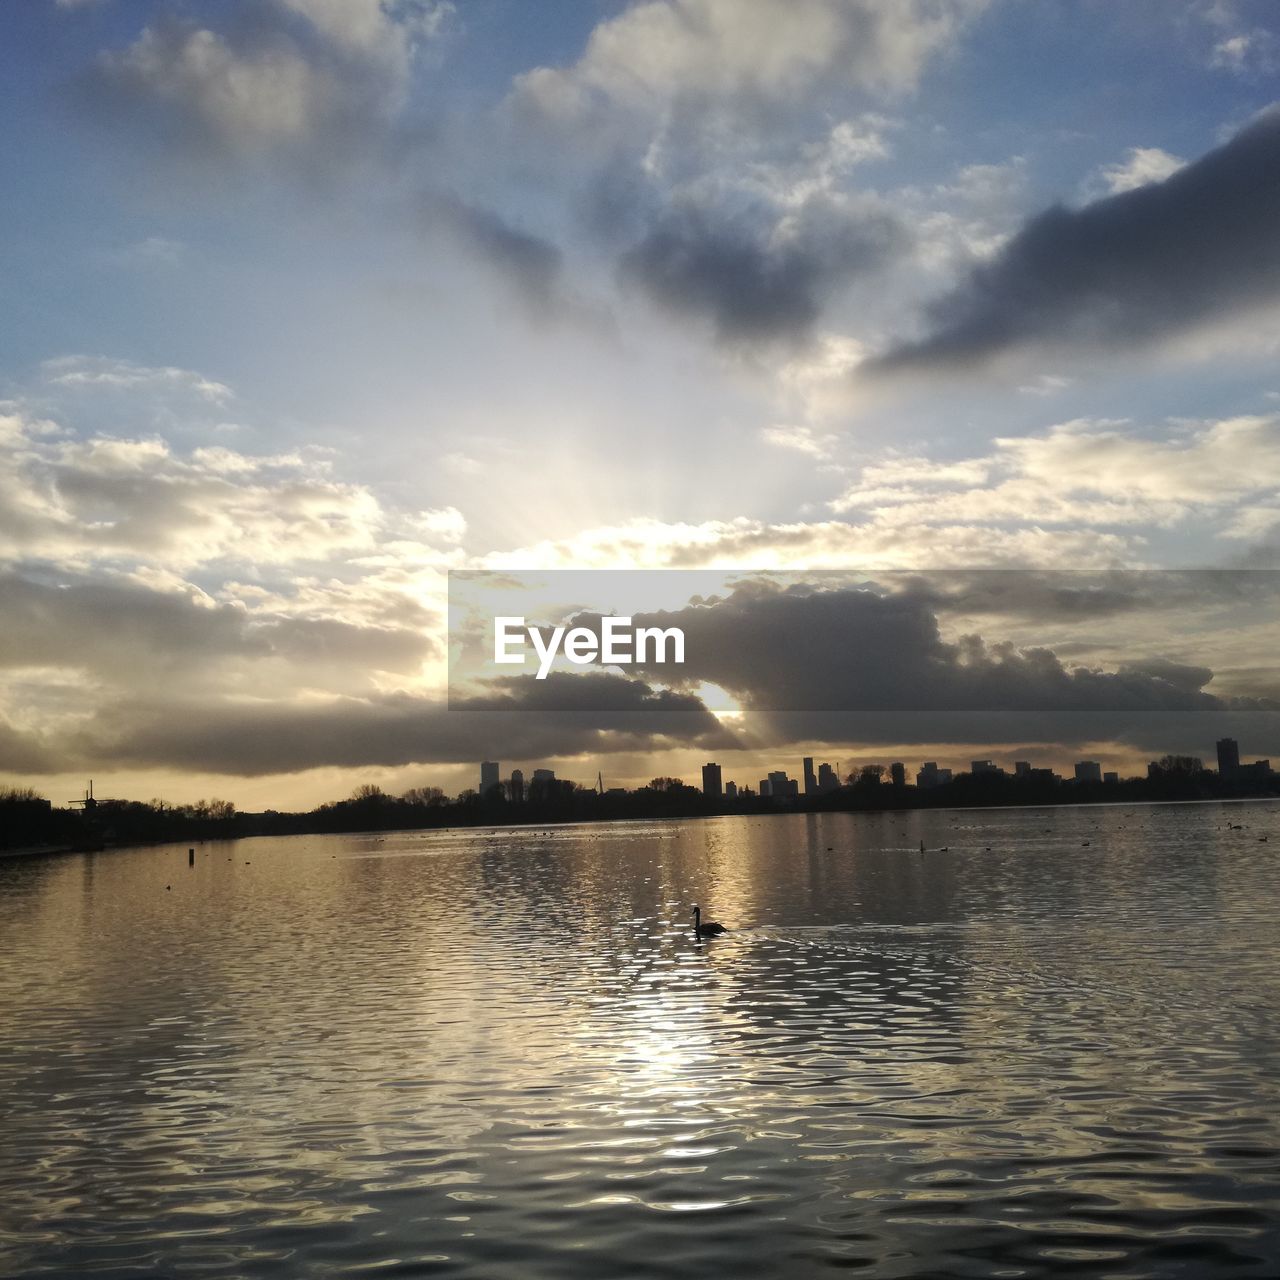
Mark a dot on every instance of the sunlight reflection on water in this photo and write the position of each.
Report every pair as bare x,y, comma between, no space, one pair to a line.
503,1054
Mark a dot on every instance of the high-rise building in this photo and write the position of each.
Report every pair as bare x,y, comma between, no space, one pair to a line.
765,787
898,773
1110,776
984,766
781,785
1228,757
489,776
810,782
1021,768
543,775
515,788
1088,771
731,790
711,783
827,779
931,776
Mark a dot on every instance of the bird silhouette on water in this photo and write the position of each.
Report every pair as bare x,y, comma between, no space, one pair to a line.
711,929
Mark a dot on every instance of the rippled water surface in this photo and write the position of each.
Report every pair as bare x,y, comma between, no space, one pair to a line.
501,1054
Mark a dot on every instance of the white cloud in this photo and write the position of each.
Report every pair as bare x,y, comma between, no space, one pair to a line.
461,464
667,54
965,219
444,524
817,385
1081,474
220,460
1141,165
244,99
1246,53
272,85
800,439
1047,384
99,372
750,544
112,500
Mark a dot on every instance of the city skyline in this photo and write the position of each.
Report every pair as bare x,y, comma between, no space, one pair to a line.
827,778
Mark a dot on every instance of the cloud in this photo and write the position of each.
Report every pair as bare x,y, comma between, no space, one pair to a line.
701,55
23,753
462,464
715,147
224,98
803,648
178,680
800,439
1141,166
1082,473
1125,272
1047,384
126,634
1247,53
248,738
309,78
877,542
529,263
122,502
763,276
807,663
1046,598
102,372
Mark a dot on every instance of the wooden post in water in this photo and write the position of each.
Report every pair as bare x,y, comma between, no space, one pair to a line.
191,857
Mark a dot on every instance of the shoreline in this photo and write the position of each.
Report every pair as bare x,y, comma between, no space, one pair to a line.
58,850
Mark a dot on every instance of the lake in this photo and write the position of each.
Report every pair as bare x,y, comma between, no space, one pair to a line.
1048,1045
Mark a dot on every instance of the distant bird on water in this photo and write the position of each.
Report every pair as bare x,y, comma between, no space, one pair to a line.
709,930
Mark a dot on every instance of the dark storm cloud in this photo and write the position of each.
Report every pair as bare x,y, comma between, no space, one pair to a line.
942,735
606,713
1066,596
1126,271
800,649
753,280
214,688
115,630
859,666
22,753
128,633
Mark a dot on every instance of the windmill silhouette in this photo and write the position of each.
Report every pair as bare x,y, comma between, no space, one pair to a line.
89,803
93,839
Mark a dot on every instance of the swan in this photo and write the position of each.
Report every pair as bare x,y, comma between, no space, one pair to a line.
709,930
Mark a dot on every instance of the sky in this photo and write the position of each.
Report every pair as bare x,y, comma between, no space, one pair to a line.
309,302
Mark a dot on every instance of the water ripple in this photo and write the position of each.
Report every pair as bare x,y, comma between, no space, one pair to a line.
501,1053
